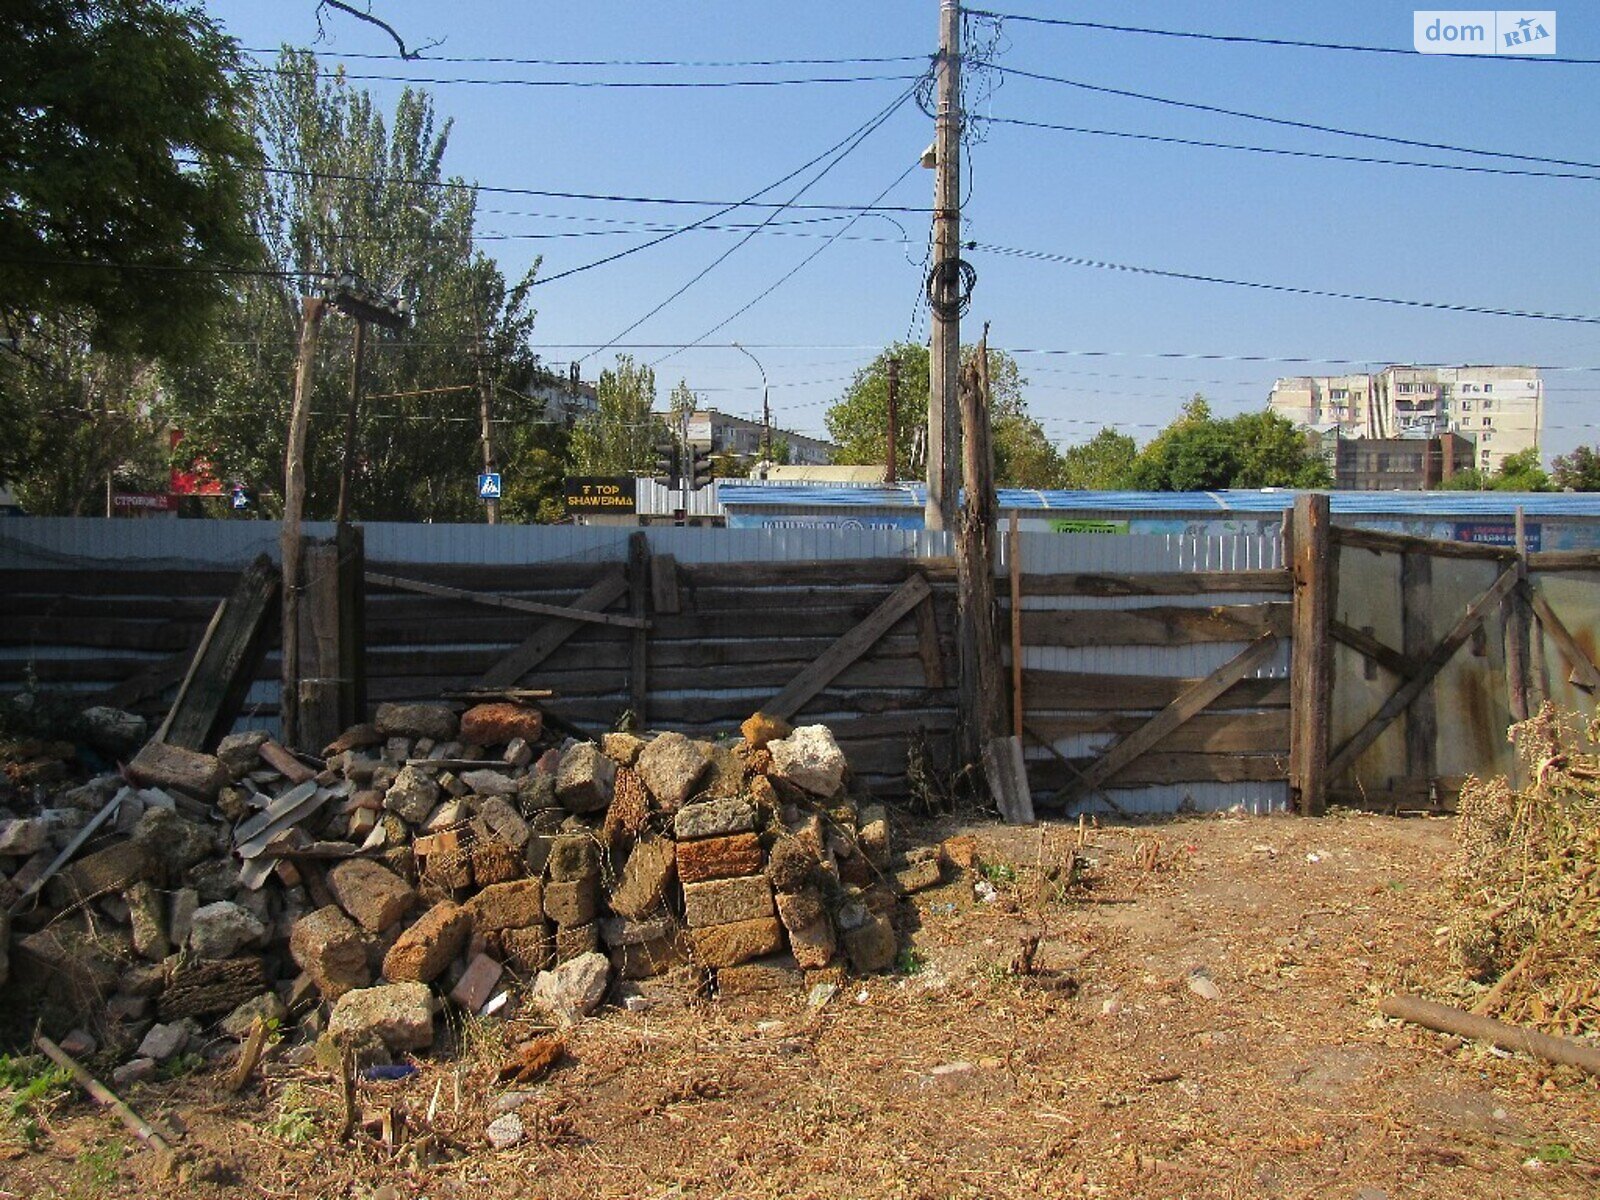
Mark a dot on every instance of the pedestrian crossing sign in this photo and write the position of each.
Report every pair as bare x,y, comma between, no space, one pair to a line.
489,486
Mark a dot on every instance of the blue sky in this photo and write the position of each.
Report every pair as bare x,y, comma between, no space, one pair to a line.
1443,236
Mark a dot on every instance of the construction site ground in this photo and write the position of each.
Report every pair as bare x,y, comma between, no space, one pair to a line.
1113,1069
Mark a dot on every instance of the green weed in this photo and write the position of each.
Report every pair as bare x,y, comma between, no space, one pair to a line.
34,1084
999,874
296,1122
910,961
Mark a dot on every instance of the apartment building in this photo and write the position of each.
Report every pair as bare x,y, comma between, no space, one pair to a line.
1500,408
723,433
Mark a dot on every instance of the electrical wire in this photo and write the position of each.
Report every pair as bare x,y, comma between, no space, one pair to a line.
587,84
790,274
1290,43
1312,154
1195,106
621,62
1289,289
839,151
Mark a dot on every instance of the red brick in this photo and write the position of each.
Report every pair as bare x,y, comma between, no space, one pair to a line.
731,944
719,858
425,950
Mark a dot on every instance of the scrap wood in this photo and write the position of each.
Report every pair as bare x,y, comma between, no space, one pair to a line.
136,1124
512,695
531,1061
250,1055
70,849
1444,1019
285,763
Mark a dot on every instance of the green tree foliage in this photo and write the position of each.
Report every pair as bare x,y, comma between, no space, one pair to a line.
1520,472
620,436
122,140
369,198
859,420
1578,471
1103,463
1200,452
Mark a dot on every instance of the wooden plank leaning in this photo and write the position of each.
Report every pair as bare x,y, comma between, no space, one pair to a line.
847,649
1427,670
550,636
581,615
1584,674
1192,701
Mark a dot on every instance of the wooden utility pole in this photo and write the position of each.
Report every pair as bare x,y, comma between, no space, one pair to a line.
347,473
485,424
944,362
1311,656
294,500
982,694
891,468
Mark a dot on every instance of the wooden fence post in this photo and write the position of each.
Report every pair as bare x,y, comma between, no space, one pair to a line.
294,499
1311,661
1416,640
638,592
981,693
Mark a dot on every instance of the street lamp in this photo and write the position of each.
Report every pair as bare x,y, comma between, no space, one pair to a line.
766,406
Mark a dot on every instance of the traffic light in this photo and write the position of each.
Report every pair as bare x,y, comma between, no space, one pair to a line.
701,468
666,463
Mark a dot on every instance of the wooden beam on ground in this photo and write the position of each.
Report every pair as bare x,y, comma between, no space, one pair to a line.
1311,658
1384,542
639,574
582,616
1444,1019
1191,702
1158,583
664,583
847,649
549,637
1584,674
226,662
1426,672
1364,643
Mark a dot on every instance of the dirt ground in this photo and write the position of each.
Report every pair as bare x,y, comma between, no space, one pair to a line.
1108,1073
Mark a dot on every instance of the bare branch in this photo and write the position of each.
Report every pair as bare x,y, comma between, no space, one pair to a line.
367,16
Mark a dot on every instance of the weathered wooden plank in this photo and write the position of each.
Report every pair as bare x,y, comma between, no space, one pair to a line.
1074,690
825,573
1584,674
1416,631
1162,767
1379,652
1155,583
672,711
900,672
492,600
1163,626
226,662
1311,653
102,633
105,668
544,641
928,645
1383,542
108,580
847,649
793,599
1564,560
148,683
639,575
192,611
1264,732
1006,773
1193,699
1429,669
664,583
504,577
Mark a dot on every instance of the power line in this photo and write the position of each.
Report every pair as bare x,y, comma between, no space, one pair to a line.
591,84
1241,39
624,62
839,150
463,186
1313,154
1195,106
1438,305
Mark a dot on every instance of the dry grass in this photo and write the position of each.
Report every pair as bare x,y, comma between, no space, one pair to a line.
966,1079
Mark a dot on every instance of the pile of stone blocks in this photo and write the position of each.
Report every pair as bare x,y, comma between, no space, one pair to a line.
439,857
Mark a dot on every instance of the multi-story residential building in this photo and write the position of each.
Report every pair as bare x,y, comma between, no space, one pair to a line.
722,433
1500,408
1405,464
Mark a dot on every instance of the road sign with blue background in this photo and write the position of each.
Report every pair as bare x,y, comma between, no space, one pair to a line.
489,486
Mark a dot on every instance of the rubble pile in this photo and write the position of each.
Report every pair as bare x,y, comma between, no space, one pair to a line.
435,858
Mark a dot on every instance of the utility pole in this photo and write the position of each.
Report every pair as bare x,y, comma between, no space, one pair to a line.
294,498
485,426
890,467
944,281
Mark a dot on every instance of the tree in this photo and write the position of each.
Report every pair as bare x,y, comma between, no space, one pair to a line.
620,436
369,198
1520,472
1578,471
124,155
1103,463
859,420
1200,452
